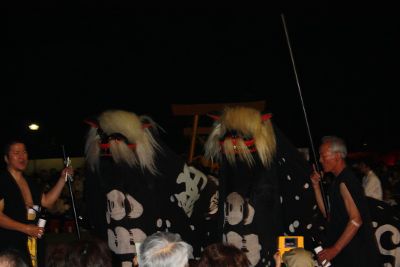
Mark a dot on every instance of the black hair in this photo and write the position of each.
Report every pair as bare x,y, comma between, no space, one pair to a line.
11,142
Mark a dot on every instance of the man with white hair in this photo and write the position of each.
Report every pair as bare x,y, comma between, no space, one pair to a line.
350,239
164,249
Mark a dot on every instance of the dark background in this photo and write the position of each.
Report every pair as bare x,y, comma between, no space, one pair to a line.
67,62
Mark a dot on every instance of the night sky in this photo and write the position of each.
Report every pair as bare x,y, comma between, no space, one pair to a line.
92,57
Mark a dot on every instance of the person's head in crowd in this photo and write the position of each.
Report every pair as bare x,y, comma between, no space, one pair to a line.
164,249
89,253
297,257
56,255
365,165
223,255
11,258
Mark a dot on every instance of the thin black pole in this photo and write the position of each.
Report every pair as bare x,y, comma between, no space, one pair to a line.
69,180
305,114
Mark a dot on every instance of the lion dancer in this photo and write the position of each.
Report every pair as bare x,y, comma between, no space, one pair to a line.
136,185
264,187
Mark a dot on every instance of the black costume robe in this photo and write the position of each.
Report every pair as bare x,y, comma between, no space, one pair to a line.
362,250
14,207
258,203
127,204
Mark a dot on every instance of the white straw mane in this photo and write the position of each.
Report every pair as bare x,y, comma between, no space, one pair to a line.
129,125
248,122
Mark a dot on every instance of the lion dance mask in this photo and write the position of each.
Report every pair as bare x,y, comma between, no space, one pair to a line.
264,185
136,185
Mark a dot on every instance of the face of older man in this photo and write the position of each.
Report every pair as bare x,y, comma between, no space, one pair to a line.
327,158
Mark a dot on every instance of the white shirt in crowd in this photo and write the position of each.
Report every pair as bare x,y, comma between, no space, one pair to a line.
372,186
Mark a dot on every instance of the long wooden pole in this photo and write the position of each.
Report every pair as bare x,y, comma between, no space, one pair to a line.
305,114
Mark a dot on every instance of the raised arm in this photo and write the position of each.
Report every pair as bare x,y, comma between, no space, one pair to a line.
49,198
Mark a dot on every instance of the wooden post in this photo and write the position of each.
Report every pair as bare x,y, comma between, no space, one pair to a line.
194,136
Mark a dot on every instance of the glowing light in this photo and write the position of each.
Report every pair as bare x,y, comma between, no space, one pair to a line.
33,127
